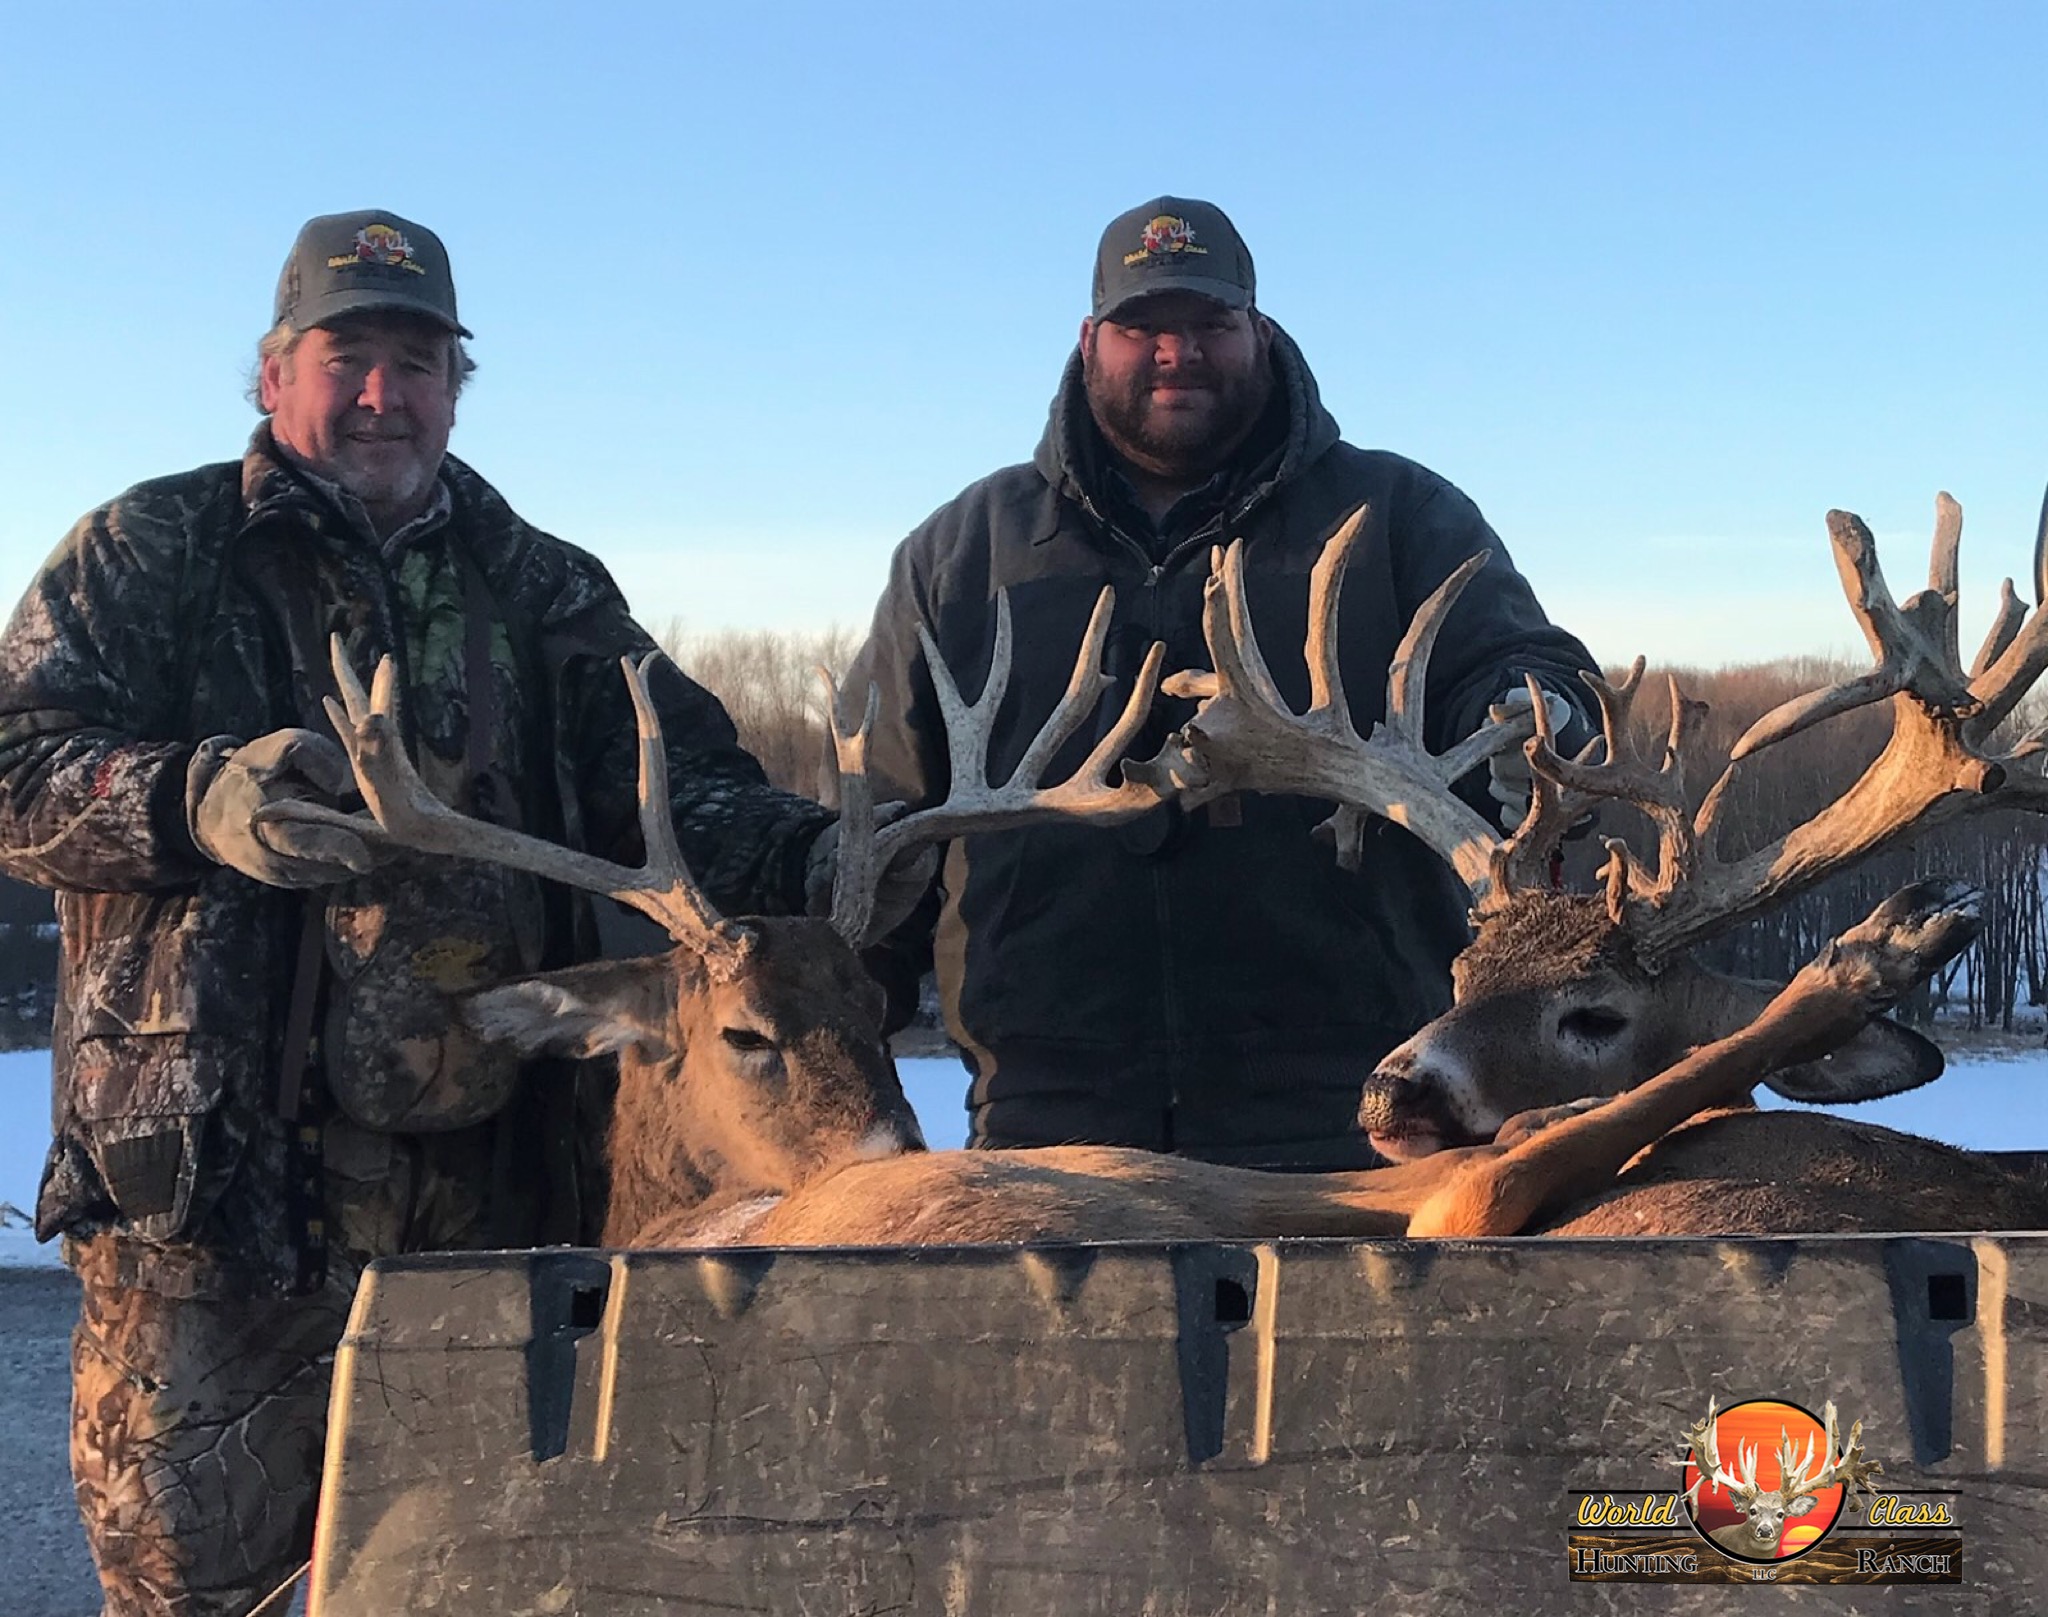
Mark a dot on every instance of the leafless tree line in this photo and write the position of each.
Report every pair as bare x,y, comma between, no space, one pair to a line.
28,966
1782,786
768,683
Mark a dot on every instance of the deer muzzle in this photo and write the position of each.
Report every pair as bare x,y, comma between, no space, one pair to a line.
1405,1115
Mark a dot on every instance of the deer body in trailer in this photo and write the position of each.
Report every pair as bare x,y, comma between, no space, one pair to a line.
757,1104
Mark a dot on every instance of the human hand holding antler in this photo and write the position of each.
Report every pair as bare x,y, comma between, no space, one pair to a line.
404,813
1244,736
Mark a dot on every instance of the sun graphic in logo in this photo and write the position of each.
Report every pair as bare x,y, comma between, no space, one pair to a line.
1167,233
1764,1480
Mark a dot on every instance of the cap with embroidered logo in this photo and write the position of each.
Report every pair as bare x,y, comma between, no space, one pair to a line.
353,263
1172,244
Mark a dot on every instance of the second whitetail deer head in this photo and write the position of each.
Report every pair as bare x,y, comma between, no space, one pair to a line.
1565,995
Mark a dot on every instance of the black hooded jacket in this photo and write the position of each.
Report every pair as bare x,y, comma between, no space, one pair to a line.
1210,981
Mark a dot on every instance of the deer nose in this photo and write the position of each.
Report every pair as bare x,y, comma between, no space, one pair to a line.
1412,1106
1380,1102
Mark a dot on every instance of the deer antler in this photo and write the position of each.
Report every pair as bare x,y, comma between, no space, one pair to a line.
1704,1439
1937,766
1244,736
1615,768
973,803
1844,1466
405,814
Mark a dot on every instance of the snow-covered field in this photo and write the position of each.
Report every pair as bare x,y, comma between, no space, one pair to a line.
1984,1102
24,1139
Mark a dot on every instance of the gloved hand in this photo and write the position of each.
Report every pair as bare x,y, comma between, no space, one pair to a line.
227,783
897,889
1509,781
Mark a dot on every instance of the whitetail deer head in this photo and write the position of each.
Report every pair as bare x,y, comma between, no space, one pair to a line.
1766,1511
751,1056
1562,996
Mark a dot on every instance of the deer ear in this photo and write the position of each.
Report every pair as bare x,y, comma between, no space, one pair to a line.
587,1010
1884,1059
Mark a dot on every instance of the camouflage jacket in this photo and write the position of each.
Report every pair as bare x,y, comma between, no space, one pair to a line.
194,612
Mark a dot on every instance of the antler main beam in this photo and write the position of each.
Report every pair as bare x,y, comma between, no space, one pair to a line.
403,813
1245,737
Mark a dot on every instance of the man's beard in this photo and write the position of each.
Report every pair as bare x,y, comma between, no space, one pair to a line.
1168,443
390,488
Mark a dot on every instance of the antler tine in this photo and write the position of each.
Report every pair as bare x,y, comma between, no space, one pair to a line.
1915,645
1245,737
972,804
1944,576
1325,678
1746,1457
405,814
1248,658
663,888
1704,1439
1345,828
1840,1462
2005,624
1566,787
1938,764
2014,655
856,871
1408,673
1523,861
968,724
1792,1465
657,825
1084,688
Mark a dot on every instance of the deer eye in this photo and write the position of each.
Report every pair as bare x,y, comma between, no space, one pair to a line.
745,1038
1592,1023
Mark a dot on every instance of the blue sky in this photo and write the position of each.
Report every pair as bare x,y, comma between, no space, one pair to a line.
756,288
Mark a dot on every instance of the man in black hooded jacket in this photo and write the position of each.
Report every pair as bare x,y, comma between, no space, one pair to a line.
1208,982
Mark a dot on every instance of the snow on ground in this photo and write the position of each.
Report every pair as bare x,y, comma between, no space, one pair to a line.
1985,1102
24,1140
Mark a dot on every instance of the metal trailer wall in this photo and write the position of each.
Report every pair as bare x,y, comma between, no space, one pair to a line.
1289,1427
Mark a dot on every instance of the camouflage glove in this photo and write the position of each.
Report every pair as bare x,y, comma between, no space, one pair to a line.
897,889
1508,780
227,782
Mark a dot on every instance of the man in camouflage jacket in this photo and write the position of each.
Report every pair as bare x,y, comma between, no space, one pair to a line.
257,1089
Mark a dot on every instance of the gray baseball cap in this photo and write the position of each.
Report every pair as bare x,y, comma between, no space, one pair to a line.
1172,244
349,263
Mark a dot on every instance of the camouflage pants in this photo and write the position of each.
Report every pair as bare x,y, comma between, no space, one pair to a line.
198,1423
